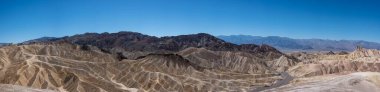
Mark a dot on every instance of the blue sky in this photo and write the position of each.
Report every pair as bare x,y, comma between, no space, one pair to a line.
22,20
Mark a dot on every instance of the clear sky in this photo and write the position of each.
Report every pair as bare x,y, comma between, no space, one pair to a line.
22,20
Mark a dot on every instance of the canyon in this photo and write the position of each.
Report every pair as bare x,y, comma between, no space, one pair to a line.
134,62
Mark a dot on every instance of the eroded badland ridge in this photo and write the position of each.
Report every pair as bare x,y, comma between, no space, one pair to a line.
129,61
357,71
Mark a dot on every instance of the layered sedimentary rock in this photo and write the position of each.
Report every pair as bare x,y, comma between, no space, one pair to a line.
359,60
236,61
16,88
128,61
321,72
331,67
67,67
354,82
282,64
362,52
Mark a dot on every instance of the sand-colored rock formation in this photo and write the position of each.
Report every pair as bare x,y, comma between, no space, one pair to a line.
359,60
170,64
16,88
321,72
355,82
282,64
362,52
66,67
237,61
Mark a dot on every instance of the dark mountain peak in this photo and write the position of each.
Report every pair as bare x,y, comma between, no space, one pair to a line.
266,47
198,34
248,46
47,37
192,40
89,33
204,35
193,37
330,53
129,33
133,41
126,34
257,48
42,39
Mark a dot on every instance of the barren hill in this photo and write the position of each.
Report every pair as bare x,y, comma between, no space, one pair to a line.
67,67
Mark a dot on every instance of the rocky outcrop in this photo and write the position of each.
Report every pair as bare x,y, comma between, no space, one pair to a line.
362,52
282,64
330,53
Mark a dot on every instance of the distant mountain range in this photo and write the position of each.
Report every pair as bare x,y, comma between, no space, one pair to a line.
4,44
137,42
289,44
281,43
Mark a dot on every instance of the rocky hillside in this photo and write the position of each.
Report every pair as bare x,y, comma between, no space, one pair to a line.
128,61
289,44
236,61
133,62
67,67
322,64
353,82
332,71
362,52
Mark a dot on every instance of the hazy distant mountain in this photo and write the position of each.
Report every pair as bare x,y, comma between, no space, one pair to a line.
42,39
4,44
289,44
